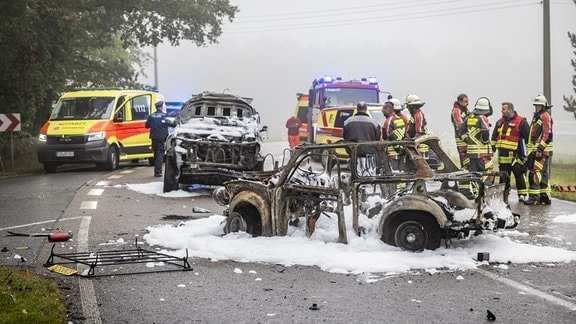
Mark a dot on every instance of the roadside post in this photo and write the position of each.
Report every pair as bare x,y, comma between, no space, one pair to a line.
10,122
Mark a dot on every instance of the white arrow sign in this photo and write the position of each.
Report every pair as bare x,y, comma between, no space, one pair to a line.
10,122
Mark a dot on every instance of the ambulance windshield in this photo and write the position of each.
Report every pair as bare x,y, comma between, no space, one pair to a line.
83,108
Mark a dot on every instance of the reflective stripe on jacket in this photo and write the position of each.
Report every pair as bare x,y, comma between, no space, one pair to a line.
509,137
393,130
541,133
476,133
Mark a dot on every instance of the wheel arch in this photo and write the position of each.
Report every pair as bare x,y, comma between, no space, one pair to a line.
409,205
247,204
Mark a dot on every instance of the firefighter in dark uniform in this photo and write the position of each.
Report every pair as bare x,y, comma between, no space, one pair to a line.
393,129
458,115
540,147
509,137
475,131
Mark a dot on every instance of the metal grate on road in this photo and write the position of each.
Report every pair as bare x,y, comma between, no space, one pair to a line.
124,262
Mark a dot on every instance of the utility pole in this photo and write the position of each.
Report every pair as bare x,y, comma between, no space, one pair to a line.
546,66
546,56
155,68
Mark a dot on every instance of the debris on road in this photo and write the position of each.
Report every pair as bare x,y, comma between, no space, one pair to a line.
200,210
52,237
490,316
123,259
483,256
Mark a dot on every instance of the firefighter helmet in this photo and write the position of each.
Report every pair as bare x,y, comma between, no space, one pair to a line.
482,106
540,100
397,104
413,100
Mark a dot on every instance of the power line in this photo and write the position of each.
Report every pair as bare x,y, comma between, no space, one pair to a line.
382,19
338,12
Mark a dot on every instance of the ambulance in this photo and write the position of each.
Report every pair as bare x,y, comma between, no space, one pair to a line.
101,126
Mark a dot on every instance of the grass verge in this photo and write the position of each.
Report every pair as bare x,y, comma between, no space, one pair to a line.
27,298
563,174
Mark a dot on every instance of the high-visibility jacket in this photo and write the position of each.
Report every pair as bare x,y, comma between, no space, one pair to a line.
458,115
509,138
393,129
406,121
475,132
417,126
541,133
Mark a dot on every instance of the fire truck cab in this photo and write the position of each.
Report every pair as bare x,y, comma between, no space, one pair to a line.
328,92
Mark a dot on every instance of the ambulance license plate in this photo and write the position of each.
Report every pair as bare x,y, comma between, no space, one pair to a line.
64,154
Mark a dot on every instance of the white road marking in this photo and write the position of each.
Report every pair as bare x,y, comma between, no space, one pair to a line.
127,171
95,192
529,290
87,292
103,183
117,176
88,204
38,223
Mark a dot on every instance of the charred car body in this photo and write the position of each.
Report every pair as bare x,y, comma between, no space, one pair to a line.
216,138
414,207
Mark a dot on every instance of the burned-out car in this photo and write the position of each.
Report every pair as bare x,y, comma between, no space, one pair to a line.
216,138
408,203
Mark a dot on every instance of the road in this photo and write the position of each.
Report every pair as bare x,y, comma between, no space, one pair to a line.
104,215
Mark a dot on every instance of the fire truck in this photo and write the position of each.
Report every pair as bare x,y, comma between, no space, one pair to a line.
328,92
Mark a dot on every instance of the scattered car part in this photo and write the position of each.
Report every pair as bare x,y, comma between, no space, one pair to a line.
120,258
52,237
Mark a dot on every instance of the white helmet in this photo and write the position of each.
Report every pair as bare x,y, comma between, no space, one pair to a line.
414,100
397,104
540,100
482,106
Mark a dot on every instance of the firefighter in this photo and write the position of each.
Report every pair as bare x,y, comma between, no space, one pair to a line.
475,131
417,125
459,113
540,147
398,111
509,138
393,129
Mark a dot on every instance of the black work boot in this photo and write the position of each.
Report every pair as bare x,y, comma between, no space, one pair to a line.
545,200
532,200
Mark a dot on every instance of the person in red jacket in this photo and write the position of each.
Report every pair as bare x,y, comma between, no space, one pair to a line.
509,138
540,147
293,124
459,113
417,125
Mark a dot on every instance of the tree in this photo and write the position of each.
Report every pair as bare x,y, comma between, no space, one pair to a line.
51,46
570,100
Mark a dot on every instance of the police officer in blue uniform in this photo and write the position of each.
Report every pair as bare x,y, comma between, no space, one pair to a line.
158,134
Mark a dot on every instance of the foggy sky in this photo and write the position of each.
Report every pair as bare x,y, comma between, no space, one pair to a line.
435,49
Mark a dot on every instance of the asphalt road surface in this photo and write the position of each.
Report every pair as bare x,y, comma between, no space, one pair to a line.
104,216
